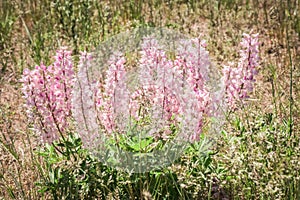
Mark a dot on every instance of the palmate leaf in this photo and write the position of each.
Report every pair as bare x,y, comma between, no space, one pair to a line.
141,145
136,144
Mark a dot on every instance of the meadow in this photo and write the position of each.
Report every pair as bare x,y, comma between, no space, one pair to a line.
255,154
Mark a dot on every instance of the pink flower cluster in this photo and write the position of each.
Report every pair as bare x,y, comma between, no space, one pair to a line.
112,103
157,74
193,65
112,98
239,81
83,103
47,91
158,95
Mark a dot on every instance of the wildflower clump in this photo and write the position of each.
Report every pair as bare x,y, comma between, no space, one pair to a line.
48,92
167,94
169,91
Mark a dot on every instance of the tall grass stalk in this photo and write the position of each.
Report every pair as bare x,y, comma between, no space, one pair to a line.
291,69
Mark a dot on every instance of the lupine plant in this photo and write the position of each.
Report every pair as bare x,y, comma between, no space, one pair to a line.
53,101
156,96
239,80
48,90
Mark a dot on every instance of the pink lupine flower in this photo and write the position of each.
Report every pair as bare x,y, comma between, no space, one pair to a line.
157,75
239,81
48,94
192,64
113,102
83,102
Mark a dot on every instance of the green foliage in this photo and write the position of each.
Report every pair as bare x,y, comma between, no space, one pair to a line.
69,172
261,161
257,159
